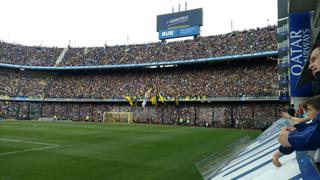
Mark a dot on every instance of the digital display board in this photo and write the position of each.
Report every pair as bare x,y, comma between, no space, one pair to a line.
180,19
180,24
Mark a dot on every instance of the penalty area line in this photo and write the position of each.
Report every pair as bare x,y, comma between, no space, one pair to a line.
47,146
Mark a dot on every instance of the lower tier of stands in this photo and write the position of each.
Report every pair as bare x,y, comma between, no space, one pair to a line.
217,114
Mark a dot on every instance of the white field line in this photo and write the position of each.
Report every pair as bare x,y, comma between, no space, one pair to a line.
10,140
41,143
40,148
12,152
47,146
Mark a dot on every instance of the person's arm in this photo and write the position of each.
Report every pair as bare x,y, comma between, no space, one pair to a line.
306,140
275,158
285,115
281,151
300,120
283,136
296,119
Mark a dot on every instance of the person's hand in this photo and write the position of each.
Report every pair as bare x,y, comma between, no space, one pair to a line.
275,158
292,129
285,128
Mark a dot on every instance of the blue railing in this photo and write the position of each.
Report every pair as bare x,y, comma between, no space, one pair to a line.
118,66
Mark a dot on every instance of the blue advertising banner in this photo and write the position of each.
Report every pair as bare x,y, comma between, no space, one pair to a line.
300,46
180,19
167,34
189,31
180,32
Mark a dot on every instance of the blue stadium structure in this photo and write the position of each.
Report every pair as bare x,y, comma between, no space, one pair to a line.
254,161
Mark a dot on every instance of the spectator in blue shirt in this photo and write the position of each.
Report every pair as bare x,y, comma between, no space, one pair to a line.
302,136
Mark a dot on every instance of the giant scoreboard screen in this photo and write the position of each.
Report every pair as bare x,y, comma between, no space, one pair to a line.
180,24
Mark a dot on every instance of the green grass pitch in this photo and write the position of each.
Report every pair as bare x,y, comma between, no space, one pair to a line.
61,150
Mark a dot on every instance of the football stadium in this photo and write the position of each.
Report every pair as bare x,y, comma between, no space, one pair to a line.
188,103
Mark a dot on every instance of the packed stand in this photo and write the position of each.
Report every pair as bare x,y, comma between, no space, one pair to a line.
234,43
257,79
28,55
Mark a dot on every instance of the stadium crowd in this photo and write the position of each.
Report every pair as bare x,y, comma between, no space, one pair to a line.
28,55
234,115
257,79
224,80
234,43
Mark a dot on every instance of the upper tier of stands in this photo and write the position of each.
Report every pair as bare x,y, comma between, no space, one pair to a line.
237,42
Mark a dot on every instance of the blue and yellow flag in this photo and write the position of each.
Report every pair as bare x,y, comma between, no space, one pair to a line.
154,100
161,97
129,99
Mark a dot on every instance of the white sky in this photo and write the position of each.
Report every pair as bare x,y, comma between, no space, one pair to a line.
93,22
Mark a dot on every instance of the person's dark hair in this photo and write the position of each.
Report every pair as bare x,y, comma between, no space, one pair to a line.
292,105
314,102
316,44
